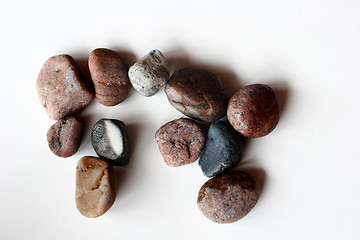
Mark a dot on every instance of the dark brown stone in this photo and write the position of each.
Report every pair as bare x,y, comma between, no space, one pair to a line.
180,141
109,74
229,197
196,93
254,110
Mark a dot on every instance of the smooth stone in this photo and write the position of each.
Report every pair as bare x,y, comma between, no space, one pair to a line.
228,197
95,186
109,74
254,110
180,141
196,93
223,149
110,141
64,137
150,74
60,88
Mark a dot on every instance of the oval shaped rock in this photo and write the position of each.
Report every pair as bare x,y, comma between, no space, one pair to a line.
196,93
110,141
228,197
150,74
223,149
254,110
109,75
180,141
60,88
64,137
95,187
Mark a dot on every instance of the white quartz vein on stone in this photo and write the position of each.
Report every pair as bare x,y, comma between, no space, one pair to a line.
115,137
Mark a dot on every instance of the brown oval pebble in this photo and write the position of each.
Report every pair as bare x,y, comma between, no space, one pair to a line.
60,88
180,141
196,93
64,137
228,197
109,74
95,186
254,110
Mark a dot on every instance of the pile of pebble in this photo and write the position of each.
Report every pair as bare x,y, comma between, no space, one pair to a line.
252,112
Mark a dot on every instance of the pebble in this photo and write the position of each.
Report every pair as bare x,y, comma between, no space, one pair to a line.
254,110
60,88
95,186
197,93
180,141
109,74
229,197
110,141
150,74
64,137
223,149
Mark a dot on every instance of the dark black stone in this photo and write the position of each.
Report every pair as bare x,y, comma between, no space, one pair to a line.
100,140
223,148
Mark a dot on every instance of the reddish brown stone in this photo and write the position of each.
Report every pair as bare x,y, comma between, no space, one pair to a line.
180,142
109,74
254,110
60,88
229,197
64,137
197,94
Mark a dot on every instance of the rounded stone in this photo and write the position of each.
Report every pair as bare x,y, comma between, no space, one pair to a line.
109,75
110,141
150,74
64,137
95,187
223,149
196,93
254,110
180,141
228,197
60,88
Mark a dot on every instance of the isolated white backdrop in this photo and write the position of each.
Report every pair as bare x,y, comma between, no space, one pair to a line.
309,51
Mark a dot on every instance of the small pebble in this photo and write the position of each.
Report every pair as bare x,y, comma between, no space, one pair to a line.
110,141
197,94
223,149
109,74
150,74
229,197
95,187
64,137
180,141
254,110
60,88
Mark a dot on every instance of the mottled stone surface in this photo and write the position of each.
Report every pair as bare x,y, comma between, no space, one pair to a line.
60,88
254,110
180,141
64,137
149,74
223,149
95,186
196,93
228,197
109,74
110,141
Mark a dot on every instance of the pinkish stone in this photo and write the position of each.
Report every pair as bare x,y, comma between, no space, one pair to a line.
60,88
64,137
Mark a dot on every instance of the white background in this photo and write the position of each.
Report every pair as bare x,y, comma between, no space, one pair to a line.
308,167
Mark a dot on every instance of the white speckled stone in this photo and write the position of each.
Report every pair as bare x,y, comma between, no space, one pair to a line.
149,74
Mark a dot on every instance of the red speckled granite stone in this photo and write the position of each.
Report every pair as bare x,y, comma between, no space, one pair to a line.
254,110
60,88
180,142
228,197
109,74
64,137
